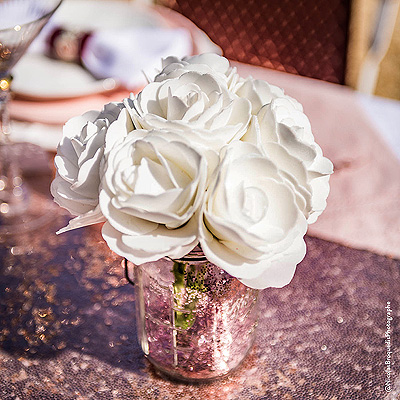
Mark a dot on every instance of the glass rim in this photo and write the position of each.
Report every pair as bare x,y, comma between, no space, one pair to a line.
195,254
34,21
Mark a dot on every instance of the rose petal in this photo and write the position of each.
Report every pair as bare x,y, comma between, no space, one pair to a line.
151,247
90,218
123,222
279,272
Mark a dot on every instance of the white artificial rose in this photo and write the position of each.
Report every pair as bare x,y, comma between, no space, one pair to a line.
250,224
152,186
283,133
198,106
208,63
80,158
258,92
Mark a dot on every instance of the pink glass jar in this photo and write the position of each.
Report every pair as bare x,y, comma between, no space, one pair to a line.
195,322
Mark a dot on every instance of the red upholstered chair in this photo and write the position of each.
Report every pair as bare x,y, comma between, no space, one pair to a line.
305,37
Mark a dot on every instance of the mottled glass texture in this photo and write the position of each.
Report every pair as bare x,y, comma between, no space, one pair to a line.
195,321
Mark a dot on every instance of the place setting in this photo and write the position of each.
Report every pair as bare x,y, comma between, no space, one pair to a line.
59,77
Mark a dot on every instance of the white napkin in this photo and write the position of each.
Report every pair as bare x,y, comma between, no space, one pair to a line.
126,54
129,54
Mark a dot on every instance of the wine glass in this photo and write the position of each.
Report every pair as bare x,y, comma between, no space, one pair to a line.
20,23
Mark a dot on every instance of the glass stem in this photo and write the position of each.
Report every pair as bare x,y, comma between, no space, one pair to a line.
12,196
4,116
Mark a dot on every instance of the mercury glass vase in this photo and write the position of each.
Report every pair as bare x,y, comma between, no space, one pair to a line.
195,322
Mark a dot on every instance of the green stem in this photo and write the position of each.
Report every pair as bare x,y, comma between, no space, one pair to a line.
188,287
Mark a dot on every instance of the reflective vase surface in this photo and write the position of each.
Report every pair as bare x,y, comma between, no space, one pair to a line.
195,322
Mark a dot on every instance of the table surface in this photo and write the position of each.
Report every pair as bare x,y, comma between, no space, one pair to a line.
67,326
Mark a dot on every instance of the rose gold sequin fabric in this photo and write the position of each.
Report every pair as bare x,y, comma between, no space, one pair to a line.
304,37
67,327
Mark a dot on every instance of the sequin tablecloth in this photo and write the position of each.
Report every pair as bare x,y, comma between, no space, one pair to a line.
67,327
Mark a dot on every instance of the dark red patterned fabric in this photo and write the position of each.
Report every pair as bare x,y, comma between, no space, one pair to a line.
304,37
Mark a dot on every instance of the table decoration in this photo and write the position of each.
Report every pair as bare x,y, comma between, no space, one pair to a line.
201,166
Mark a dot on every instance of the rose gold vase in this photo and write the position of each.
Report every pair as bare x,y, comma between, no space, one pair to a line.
195,322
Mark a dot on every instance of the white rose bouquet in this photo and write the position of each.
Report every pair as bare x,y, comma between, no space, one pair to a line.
199,156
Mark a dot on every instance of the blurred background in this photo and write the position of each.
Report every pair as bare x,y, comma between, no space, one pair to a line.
352,42
364,20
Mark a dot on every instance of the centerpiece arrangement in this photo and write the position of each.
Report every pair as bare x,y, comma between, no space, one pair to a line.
206,182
